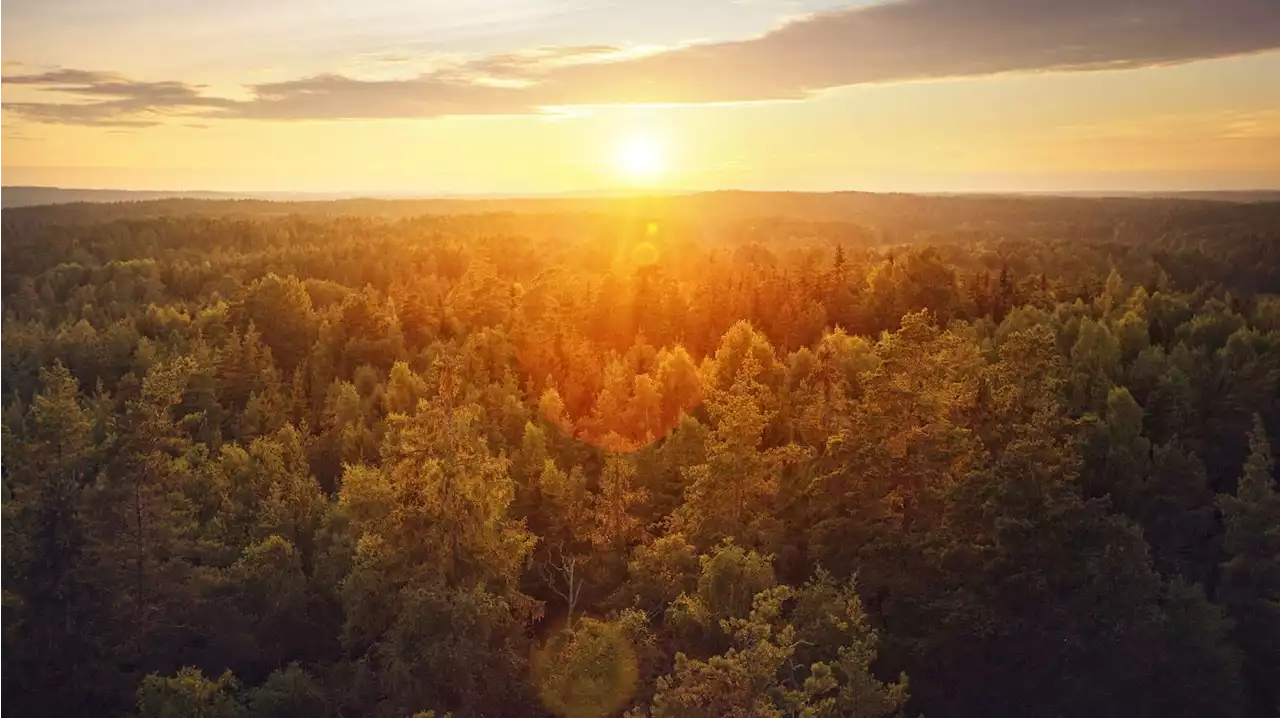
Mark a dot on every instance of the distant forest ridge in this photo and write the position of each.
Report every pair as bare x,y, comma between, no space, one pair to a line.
25,196
850,218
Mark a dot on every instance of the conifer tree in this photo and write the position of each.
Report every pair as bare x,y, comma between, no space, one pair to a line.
1249,585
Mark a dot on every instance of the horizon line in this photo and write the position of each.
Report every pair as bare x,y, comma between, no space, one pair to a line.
607,193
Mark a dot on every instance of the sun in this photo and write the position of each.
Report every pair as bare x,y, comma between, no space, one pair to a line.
641,158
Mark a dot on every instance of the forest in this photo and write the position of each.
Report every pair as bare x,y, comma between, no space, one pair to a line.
725,454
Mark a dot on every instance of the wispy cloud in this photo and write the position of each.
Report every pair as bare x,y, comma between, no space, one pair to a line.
503,83
20,136
109,99
889,41
1181,128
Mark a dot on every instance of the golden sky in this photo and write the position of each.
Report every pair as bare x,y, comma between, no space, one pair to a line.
521,96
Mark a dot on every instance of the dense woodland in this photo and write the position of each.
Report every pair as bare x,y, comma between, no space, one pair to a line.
719,455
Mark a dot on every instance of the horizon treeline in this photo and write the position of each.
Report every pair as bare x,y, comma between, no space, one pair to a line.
964,458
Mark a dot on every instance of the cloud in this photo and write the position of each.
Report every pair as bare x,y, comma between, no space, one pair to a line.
536,62
885,42
108,99
496,84
20,136
1197,126
338,97
897,40
922,39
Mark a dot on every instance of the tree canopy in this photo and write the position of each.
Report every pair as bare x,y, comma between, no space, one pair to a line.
719,456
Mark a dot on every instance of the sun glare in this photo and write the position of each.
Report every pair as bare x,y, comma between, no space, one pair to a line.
641,158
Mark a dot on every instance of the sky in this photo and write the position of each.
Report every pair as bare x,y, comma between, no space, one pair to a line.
563,96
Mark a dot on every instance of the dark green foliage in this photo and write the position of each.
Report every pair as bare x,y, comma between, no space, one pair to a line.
288,693
1250,582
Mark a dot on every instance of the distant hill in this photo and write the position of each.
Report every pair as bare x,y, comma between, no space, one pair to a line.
1250,195
19,196
1261,195
24,196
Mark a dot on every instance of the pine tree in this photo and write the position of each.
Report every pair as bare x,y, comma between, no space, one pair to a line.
1249,586
730,496
142,520
432,590
49,593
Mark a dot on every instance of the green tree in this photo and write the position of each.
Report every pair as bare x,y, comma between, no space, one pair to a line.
280,308
142,523
731,494
290,692
404,389
1120,454
188,694
49,595
432,587
269,593
1249,585
761,673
